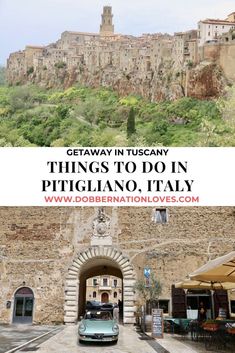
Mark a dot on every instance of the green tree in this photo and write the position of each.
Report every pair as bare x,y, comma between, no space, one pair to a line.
62,111
90,110
150,292
131,122
20,98
2,76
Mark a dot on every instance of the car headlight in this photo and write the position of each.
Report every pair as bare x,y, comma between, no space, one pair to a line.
115,328
81,328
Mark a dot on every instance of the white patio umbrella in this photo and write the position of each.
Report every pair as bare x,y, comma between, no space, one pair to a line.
221,269
194,284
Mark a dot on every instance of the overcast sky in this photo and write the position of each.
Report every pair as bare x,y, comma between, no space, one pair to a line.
41,22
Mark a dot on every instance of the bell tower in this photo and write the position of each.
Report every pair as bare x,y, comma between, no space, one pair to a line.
107,27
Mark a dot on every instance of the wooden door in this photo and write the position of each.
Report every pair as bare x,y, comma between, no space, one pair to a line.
178,302
104,297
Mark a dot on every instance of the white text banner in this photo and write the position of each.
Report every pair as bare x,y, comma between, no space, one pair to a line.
153,176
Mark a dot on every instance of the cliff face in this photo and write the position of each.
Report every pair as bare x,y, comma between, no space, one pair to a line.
206,80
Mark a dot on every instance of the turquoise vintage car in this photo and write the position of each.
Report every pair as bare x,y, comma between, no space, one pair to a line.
98,326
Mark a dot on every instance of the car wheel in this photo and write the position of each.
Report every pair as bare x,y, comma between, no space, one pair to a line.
80,341
115,342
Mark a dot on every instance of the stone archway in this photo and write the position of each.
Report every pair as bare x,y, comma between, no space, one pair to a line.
120,261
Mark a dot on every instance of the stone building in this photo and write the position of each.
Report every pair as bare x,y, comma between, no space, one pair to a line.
210,30
105,289
107,27
48,253
147,65
156,66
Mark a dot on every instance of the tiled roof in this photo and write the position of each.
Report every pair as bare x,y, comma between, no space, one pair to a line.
217,21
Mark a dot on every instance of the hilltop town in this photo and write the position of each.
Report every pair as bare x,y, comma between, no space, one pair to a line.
197,63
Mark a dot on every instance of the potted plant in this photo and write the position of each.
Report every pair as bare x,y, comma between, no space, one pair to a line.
210,325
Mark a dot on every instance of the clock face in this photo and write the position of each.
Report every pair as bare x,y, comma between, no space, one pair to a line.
101,228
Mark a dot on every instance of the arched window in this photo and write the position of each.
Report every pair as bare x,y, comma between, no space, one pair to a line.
23,306
115,294
94,294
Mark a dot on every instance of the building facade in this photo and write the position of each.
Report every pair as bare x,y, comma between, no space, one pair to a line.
47,254
210,30
105,289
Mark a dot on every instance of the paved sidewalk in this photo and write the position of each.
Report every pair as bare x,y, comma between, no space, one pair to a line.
178,344
12,336
67,342
173,345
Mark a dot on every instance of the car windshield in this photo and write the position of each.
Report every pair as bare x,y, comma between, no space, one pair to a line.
98,315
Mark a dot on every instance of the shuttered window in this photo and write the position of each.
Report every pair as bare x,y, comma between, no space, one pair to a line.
160,216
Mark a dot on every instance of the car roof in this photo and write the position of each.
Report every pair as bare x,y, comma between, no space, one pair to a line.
98,312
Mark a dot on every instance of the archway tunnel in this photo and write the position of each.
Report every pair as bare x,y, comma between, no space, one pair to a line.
98,261
92,269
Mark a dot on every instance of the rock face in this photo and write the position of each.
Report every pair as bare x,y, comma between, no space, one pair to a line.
206,81
154,66
53,250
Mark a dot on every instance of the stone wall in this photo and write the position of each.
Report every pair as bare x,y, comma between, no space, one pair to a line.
223,54
227,60
39,245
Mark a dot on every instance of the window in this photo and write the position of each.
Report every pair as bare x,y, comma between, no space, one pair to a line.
164,304
192,303
94,294
115,282
115,294
232,303
95,281
105,282
209,33
160,215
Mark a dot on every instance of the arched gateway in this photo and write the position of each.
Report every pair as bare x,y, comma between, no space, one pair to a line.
96,260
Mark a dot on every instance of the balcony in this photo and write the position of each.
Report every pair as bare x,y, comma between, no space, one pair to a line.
103,287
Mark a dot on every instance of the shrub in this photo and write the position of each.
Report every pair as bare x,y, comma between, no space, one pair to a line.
30,70
60,65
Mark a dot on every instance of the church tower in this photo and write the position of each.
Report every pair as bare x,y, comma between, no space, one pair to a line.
107,27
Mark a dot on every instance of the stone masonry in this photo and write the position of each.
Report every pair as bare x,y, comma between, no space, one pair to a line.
53,250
